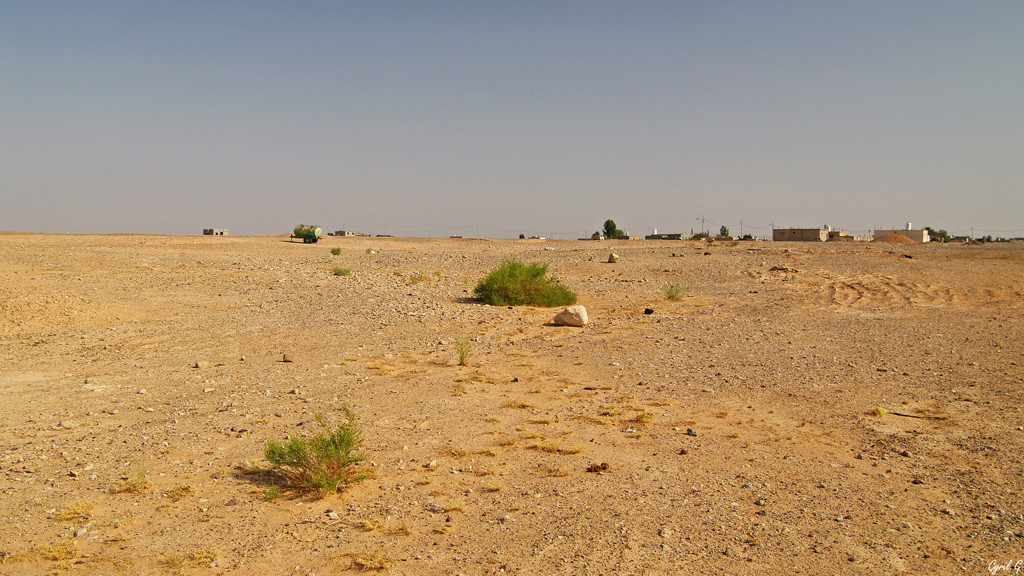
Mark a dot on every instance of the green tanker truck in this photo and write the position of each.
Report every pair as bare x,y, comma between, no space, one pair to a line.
309,234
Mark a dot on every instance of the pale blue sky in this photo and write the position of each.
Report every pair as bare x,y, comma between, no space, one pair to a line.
442,118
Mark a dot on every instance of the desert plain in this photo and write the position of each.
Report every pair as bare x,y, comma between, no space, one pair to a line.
832,408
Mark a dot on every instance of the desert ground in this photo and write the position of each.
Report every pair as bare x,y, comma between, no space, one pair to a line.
835,408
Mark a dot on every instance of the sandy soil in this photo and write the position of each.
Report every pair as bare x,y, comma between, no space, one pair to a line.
742,425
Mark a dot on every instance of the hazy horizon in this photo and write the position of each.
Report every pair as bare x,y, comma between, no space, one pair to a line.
540,118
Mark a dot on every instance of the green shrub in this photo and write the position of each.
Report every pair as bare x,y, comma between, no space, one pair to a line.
325,461
335,251
339,271
515,284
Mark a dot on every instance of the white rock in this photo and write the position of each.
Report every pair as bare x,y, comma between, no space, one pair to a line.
572,316
613,258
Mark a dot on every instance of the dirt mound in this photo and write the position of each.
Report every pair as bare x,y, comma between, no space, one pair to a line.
894,239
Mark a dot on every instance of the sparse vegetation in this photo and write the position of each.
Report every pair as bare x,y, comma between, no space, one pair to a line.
271,492
416,277
673,291
376,560
324,462
723,231
77,510
335,251
57,552
463,345
179,492
643,418
340,271
516,284
132,484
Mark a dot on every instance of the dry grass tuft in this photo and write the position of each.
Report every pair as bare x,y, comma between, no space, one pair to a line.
370,524
179,492
132,485
57,552
77,510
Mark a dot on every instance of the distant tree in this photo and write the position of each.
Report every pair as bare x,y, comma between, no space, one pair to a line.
699,236
612,232
609,229
938,235
723,231
522,236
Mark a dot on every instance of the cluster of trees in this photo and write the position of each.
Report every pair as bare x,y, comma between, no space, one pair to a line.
611,232
938,235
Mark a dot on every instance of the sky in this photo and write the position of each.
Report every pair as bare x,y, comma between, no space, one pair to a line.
499,118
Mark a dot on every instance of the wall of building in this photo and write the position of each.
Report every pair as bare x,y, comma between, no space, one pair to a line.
915,235
800,235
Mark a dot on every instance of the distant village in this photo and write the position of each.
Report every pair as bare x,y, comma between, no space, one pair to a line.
822,234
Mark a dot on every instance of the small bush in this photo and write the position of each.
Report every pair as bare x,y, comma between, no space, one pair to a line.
463,345
339,271
271,492
673,291
132,485
324,462
516,284
335,251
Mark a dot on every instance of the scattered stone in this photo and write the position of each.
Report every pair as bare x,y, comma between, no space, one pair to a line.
333,515
80,532
572,316
690,432
666,532
683,451
287,358
66,424
142,391
430,465
759,502
648,311
906,454
613,258
201,364
598,467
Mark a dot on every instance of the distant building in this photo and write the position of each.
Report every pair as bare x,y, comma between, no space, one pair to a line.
915,235
657,236
215,231
347,233
801,234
